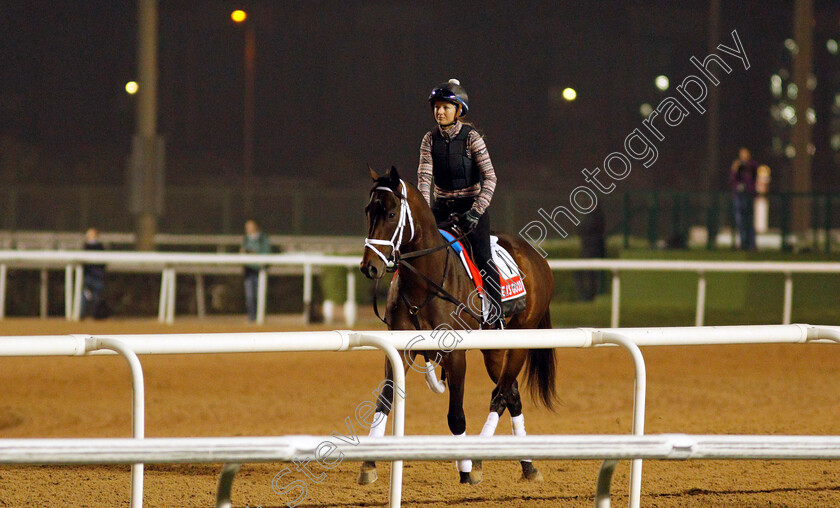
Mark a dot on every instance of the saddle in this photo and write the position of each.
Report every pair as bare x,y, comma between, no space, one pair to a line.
512,287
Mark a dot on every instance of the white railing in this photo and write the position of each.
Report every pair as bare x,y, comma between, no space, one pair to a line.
237,450
73,240
701,268
392,342
170,264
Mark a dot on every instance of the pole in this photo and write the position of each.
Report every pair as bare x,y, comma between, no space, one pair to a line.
803,33
147,47
713,115
248,121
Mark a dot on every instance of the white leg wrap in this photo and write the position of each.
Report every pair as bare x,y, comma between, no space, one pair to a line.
517,425
490,425
432,381
464,465
378,428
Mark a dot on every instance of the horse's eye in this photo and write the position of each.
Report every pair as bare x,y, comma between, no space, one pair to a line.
391,215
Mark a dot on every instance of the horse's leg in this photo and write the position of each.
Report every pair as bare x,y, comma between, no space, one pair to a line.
508,397
517,419
517,425
384,403
456,367
493,360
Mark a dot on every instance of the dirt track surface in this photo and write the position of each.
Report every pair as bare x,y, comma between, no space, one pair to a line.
761,389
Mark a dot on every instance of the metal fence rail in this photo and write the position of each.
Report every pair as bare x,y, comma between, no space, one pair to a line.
237,450
391,343
169,264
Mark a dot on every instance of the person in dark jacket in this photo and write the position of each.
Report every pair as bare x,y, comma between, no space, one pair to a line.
93,279
255,242
742,180
454,155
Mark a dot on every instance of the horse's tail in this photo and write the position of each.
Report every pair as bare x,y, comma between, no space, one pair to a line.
541,367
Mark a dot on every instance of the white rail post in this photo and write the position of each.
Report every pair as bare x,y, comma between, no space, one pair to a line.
138,409
170,297
307,292
602,489
77,292
200,307
616,299
164,288
788,298
350,310
3,273
638,410
398,427
44,296
701,299
225,488
262,289
68,292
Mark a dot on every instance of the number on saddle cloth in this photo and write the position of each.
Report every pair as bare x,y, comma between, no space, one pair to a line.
512,287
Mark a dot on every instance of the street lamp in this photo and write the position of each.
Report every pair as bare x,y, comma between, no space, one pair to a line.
239,17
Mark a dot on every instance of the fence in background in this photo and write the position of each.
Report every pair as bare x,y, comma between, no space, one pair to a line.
170,264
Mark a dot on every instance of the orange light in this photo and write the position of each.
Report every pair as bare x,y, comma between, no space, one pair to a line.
238,16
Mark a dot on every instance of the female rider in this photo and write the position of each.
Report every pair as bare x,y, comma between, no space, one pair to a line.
454,154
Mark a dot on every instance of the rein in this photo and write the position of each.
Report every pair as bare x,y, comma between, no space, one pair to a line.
401,260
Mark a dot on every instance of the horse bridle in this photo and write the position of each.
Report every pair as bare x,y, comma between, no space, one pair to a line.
399,231
396,259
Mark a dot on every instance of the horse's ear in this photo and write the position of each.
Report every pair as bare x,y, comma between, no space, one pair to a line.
372,173
393,175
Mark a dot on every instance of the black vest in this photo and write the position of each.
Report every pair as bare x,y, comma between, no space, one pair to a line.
452,168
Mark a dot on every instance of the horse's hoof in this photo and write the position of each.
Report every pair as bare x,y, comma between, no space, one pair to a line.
472,478
530,473
367,474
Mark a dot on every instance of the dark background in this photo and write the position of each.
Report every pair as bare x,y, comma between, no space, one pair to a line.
340,84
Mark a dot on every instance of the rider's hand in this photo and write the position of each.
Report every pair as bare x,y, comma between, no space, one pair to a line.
471,220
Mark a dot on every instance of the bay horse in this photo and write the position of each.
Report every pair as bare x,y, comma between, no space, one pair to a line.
400,223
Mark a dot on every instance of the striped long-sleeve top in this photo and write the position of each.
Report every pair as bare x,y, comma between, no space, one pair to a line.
477,151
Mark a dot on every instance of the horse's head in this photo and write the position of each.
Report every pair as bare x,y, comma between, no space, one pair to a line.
390,223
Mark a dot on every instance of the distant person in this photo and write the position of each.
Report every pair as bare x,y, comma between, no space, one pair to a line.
742,181
255,242
593,245
93,280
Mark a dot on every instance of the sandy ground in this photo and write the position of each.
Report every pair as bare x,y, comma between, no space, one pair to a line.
762,389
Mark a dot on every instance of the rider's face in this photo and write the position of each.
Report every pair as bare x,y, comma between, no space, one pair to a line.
445,112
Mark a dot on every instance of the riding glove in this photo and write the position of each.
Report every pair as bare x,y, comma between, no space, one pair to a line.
471,219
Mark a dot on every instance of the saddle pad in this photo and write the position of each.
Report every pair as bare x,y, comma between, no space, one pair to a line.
511,281
512,285
472,271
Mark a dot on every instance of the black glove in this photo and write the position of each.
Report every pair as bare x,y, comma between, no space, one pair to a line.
471,220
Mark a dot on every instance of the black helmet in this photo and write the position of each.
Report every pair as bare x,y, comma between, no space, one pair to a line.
453,92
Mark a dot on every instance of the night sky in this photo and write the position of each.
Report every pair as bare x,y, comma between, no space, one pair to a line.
340,84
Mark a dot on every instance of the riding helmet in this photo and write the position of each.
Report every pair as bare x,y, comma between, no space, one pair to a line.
453,92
